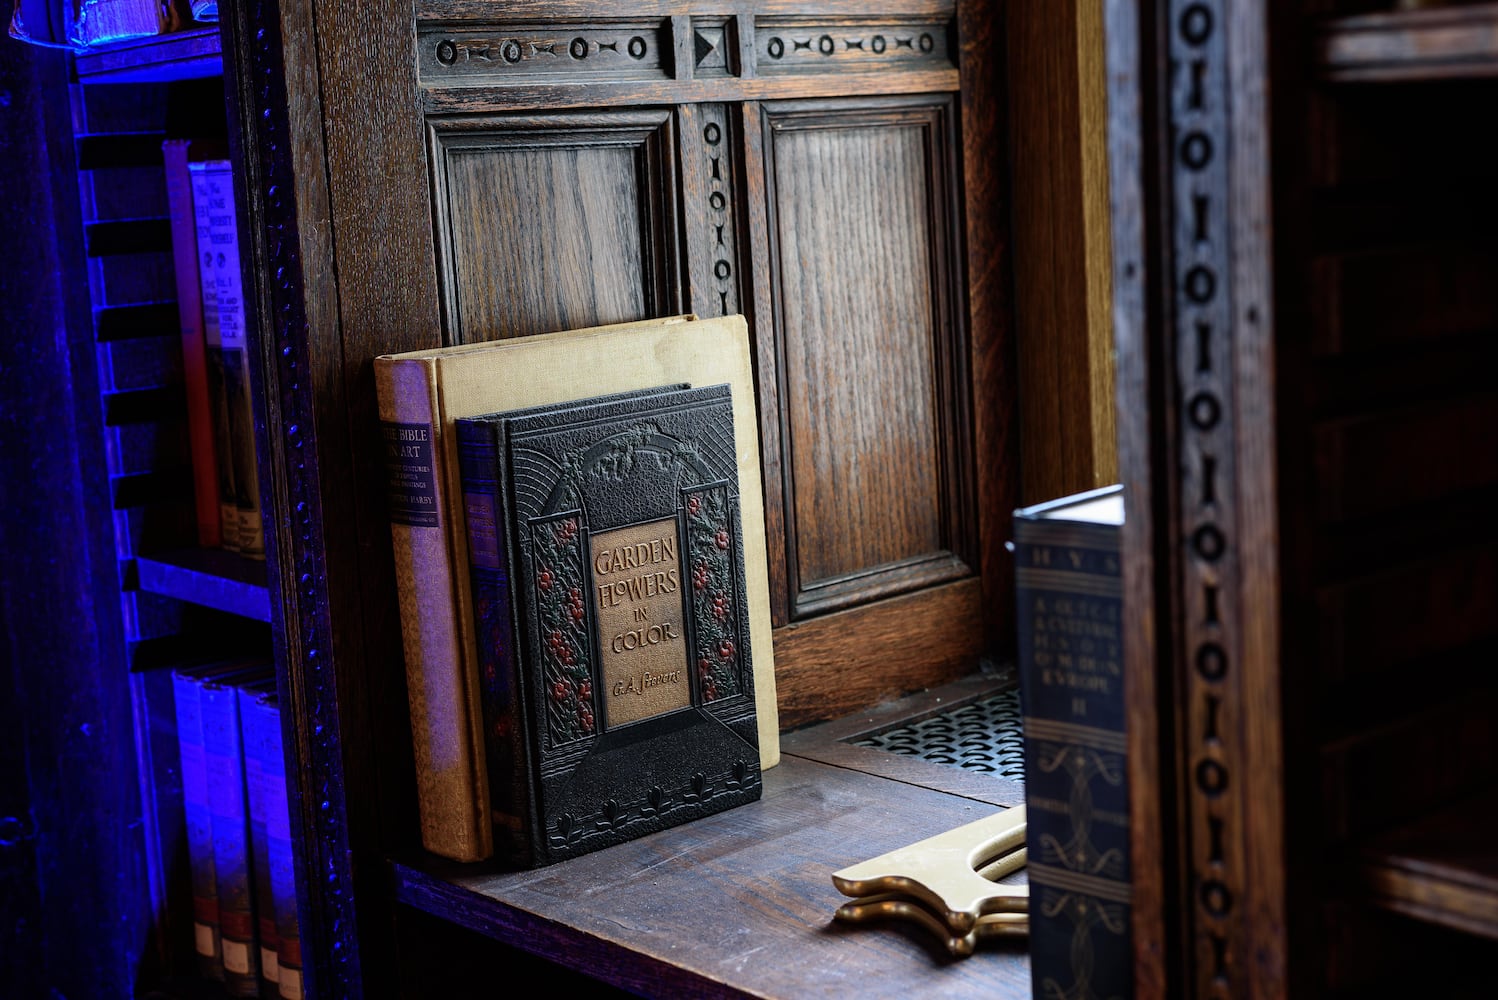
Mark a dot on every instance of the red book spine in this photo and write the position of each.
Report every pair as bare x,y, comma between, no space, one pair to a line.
194,352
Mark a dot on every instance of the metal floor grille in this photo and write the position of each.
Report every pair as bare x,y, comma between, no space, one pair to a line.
983,735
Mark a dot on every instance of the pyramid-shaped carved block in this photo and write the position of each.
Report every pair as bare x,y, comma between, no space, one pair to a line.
709,51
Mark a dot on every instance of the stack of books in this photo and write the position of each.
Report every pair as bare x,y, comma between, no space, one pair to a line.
245,928
565,608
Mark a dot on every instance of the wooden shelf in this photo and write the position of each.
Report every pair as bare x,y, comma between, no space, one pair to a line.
1439,43
213,578
1442,869
180,55
149,319
182,988
740,904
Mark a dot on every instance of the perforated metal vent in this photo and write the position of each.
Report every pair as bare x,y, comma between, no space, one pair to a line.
983,735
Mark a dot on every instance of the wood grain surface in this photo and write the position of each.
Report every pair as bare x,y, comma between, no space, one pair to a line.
860,261
398,207
738,904
555,223
838,663
1064,336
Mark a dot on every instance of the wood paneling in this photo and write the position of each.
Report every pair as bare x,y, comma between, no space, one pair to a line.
873,413
407,193
1304,345
555,222
841,662
1414,456
989,286
1062,258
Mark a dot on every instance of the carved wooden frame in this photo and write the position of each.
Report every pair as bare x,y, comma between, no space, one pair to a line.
649,134
282,306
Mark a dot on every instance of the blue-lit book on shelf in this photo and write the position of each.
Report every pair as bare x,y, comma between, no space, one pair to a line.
259,724
278,854
189,713
224,763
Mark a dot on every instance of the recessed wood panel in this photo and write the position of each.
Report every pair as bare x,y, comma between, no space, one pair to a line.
873,422
552,223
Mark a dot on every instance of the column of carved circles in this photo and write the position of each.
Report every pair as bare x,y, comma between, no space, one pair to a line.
1206,474
717,145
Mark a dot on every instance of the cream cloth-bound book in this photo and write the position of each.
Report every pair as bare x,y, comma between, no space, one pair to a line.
421,395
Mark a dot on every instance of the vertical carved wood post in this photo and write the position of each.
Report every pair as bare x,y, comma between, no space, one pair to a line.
281,311
1188,125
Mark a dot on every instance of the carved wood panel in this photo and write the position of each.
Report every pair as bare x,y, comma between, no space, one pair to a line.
810,44
557,221
875,466
457,54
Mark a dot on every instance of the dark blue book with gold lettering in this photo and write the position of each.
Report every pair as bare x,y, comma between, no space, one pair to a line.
610,607
1068,594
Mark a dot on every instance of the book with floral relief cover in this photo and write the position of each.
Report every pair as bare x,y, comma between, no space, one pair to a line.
611,611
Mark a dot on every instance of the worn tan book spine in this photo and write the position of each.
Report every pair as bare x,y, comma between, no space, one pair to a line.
446,726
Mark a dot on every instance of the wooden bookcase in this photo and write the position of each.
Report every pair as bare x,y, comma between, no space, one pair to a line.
1410,371
835,171
1306,265
1302,293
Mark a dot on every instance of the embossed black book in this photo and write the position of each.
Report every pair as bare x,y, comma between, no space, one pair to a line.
1068,591
612,618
